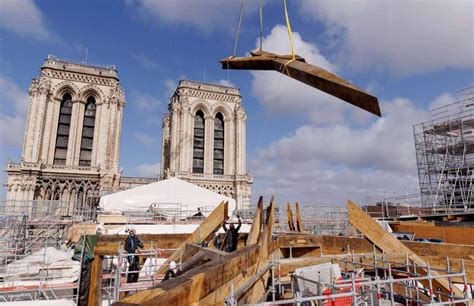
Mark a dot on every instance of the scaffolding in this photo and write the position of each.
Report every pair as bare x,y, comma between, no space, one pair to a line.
26,226
115,271
445,156
366,279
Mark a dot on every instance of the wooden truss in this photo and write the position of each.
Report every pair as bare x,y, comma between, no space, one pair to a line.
208,276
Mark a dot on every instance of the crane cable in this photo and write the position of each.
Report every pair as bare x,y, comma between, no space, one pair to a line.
288,27
237,33
261,23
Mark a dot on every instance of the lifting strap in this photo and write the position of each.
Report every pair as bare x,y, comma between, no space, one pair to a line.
288,27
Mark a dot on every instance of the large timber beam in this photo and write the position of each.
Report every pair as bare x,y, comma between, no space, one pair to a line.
206,228
462,235
110,244
299,222
265,241
95,284
311,75
388,243
196,284
209,253
254,233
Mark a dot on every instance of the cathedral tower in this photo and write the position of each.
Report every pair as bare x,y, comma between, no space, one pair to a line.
72,135
204,139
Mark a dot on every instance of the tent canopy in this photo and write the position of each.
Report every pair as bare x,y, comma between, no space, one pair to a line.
165,195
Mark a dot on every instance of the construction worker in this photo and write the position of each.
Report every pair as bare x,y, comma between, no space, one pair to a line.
132,243
231,236
172,272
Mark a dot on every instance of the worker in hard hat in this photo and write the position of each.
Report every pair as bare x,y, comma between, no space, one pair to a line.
132,243
231,236
172,272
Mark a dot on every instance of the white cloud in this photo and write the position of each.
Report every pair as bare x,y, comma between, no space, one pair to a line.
406,36
24,18
204,15
333,163
148,170
14,106
145,102
281,94
145,61
145,139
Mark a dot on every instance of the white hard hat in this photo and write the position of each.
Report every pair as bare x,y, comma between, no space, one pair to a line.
172,265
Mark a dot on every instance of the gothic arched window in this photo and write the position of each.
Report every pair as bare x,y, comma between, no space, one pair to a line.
219,144
198,143
64,125
87,133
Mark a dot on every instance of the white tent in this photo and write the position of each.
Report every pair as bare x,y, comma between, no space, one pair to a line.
164,195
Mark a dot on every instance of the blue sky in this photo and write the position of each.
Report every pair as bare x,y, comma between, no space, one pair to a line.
302,145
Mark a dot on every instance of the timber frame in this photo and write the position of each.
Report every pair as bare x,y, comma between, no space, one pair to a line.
207,274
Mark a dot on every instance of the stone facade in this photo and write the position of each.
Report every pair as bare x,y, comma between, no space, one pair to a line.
219,132
72,135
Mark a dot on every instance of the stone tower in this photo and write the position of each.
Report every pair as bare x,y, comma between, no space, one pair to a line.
204,139
72,135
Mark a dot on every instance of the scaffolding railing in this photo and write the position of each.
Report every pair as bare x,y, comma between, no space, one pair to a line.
116,271
362,283
316,219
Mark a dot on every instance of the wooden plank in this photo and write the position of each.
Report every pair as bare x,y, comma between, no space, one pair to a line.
109,244
289,214
387,242
254,233
299,223
309,74
206,228
461,235
95,284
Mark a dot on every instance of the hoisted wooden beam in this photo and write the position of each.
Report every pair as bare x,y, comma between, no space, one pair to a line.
311,75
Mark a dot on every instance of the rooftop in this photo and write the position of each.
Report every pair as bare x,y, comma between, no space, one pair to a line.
53,62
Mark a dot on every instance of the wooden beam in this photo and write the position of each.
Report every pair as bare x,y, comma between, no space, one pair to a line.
342,244
197,283
299,223
188,264
206,228
254,233
95,284
311,75
289,265
387,242
209,253
289,214
258,289
461,235
299,241
109,244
